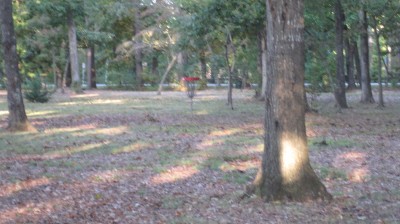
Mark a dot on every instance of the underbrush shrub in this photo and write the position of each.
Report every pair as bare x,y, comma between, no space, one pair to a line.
35,92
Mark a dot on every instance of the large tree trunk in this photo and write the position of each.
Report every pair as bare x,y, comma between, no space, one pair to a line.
90,68
350,48
286,172
17,119
366,91
379,53
73,54
138,45
340,87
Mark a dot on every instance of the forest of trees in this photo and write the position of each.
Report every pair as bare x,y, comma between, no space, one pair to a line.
129,43
331,45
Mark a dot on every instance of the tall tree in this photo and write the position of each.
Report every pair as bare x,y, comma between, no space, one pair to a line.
17,120
138,43
340,87
379,54
73,52
350,50
286,172
366,90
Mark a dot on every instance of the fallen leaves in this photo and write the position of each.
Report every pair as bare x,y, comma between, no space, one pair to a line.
132,164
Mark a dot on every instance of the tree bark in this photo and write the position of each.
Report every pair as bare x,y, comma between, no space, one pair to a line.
73,54
58,77
263,63
203,68
381,104
340,87
366,90
138,45
286,172
91,68
230,68
170,66
357,61
182,60
350,48
17,119
154,66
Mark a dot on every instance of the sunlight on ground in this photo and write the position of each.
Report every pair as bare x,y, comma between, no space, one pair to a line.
358,175
174,174
86,95
103,131
107,176
68,151
94,102
39,113
132,147
72,129
9,189
256,148
240,165
32,208
3,112
113,131
225,132
356,161
202,112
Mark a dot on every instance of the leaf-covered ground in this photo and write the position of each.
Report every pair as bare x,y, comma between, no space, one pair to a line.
129,157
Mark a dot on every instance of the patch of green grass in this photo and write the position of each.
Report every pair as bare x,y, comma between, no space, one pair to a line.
184,219
237,177
171,202
159,169
318,143
228,157
213,163
332,173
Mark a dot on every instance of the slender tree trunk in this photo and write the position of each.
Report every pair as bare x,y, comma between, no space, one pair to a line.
88,67
17,119
138,43
230,68
170,66
203,70
351,84
58,75
286,172
182,60
73,54
381,104
154,66
91,68
263,63
340,87
366,90
1,75
357,62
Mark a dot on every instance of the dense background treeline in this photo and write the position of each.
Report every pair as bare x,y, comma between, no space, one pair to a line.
130,43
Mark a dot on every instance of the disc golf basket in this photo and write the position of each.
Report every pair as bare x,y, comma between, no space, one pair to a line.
190,83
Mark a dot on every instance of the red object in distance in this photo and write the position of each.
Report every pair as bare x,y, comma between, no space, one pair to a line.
191,79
